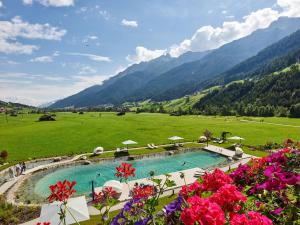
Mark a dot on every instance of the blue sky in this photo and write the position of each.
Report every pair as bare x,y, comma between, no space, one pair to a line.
50,49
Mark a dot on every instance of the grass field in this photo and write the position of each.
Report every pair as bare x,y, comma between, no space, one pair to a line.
25,138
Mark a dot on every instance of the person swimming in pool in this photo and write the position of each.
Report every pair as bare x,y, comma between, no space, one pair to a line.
183,163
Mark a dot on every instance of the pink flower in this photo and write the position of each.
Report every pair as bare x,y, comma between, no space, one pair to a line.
193,189
202,211
228,197
213,181
252,218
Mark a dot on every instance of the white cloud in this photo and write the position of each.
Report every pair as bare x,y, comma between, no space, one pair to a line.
42,59
16,27
27,2
88,38
33,93
291,8
143,54
30,88
208,37
1,4
55,3
92,37
97,58
56,53
129,23
94,10
87,70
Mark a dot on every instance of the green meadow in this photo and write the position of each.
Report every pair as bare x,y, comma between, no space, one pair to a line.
23,137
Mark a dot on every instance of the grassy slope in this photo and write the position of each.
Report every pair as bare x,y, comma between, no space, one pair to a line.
73,133
175,104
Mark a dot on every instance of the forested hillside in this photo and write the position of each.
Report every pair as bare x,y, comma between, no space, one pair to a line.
273,58
276,94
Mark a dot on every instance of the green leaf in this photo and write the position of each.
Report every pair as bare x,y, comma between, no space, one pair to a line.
170,183
157,181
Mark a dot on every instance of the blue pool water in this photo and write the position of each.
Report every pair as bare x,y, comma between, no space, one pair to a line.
104,171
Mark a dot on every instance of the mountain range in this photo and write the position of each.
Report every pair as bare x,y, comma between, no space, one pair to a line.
167,78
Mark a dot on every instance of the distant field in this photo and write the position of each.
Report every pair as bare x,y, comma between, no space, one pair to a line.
25,138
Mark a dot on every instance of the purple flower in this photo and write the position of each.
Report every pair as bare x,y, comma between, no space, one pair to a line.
271,170
127,206
173,206
277,211
143,221
119,219
278,158
289,178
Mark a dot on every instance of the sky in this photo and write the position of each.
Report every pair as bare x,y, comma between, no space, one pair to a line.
50,49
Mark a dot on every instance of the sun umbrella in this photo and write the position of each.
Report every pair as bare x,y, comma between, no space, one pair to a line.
116,185
238,151
77,208
175,138
129,142
98,150
236,138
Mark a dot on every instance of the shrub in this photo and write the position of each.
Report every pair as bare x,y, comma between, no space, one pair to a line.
46,117
122,113
3,155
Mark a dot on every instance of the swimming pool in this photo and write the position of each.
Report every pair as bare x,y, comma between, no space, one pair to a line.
104,171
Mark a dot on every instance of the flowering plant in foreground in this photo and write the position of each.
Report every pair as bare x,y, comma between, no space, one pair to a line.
61,192
141,209
103,201
124,171
264,192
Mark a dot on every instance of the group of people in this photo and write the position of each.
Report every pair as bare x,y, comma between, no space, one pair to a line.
18,170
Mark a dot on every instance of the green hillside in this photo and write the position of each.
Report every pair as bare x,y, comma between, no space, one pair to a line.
277,94
185,103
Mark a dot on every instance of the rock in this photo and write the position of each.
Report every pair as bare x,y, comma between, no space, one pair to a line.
86,162
83,157
56,159
170,153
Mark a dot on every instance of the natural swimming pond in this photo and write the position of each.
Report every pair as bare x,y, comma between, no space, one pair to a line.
37,186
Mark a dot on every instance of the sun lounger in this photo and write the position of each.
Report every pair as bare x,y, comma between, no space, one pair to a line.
150,146
154,146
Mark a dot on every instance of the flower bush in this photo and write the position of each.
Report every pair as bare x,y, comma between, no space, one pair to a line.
265,191
61,192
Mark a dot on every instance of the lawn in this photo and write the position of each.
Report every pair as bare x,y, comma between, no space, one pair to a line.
72,133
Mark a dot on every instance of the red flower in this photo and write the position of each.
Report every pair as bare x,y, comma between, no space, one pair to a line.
202,211
213,181
125,170
105,194
61,191
228,198
194,188
257,165
143,192
44,223
251,218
